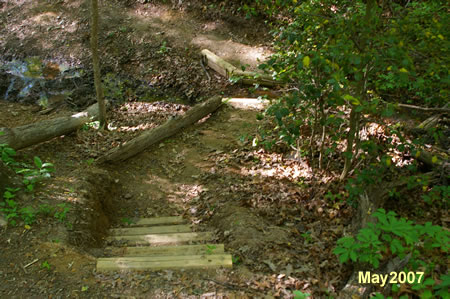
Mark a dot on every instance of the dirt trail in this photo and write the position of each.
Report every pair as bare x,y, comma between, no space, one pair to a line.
227,40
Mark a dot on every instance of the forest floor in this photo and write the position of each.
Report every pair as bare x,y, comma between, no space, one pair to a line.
267,208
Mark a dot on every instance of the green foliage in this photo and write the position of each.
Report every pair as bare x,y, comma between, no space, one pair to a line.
28,215
126,220
36,173
369,176
9,208
7,153
45,265
351,56
12,211
32,174
397,235
61,212
307,237
438,195
163,49
300,295
428,289
46,210
210,248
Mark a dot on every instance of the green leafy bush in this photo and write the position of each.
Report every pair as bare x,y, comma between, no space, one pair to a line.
393,236
346,61
396,235
33,175
12,211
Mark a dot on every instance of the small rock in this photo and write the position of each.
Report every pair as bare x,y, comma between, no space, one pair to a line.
128,196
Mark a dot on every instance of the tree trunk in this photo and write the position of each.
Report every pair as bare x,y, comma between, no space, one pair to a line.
34,133
354,120
96,64
168,129
324,130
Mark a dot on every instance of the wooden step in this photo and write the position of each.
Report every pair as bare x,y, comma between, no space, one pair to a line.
164,262
157,221
167,250
157,239
184,228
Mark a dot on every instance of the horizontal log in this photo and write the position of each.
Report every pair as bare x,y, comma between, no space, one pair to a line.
171,127
167,250
158,239
150,230
158,221
24,136
164,262
427,109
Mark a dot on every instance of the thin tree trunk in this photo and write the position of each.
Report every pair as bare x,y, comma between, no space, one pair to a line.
96,64
353,134
354,120
322,139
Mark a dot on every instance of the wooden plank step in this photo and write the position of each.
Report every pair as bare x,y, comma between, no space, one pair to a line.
157,221
164,262
157,239
167,250
184,228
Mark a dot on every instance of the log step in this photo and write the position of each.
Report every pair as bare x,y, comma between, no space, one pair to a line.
157,244
159,239
157,221
150,230
164,262
167,250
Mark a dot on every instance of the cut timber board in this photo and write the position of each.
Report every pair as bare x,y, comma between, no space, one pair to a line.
218,64
158,221
228,70
150,230
167,250
164,262
157,239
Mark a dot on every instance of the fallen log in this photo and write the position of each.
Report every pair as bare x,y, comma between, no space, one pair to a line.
171,127
426,109
24,136
228,70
